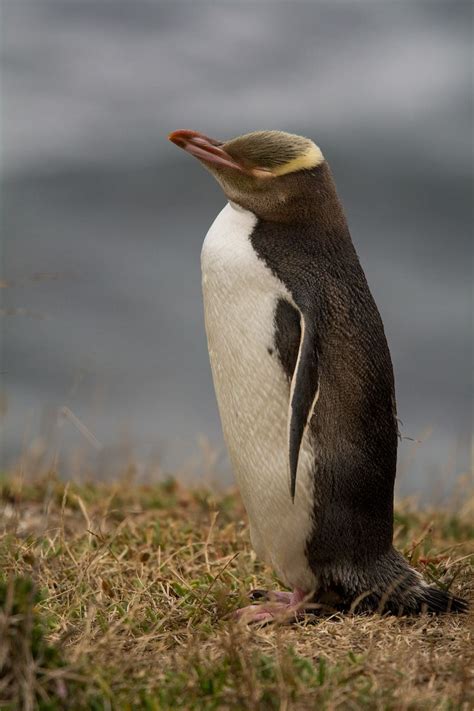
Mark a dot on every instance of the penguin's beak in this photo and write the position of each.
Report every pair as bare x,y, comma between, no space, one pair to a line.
204,148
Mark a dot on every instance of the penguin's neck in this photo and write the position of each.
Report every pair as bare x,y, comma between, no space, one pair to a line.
304,199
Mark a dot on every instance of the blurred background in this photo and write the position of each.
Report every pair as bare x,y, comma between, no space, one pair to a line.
104,358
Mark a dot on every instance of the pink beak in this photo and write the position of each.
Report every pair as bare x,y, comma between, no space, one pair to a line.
204,148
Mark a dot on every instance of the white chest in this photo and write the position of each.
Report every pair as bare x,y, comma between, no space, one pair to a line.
240,298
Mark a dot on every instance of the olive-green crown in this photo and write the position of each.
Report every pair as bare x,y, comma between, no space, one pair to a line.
277,151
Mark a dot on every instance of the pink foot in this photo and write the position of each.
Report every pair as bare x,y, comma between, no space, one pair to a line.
279,606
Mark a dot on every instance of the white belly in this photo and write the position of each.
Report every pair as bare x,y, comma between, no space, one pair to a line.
240,298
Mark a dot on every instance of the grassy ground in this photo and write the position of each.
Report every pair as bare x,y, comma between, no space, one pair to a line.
133,591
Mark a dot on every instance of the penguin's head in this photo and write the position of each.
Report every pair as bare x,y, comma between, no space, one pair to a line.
270,173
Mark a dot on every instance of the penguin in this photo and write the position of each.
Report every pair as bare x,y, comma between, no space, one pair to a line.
304,383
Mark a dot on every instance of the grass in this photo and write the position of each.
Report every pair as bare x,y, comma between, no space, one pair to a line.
120,596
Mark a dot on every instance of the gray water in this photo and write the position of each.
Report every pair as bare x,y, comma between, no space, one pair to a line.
103,219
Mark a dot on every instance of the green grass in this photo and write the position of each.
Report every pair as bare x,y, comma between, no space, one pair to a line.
120,596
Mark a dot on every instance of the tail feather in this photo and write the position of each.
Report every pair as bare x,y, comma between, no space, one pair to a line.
411,601
439,601
388,585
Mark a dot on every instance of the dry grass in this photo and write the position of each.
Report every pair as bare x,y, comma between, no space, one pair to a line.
136,587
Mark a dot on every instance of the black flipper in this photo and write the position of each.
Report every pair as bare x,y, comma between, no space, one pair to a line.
303,396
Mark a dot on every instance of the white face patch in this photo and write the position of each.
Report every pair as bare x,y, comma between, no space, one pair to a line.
240,298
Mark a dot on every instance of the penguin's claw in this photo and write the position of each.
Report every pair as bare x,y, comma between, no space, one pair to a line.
270,596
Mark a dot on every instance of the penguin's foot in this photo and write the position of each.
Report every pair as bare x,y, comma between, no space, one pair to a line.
282,607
